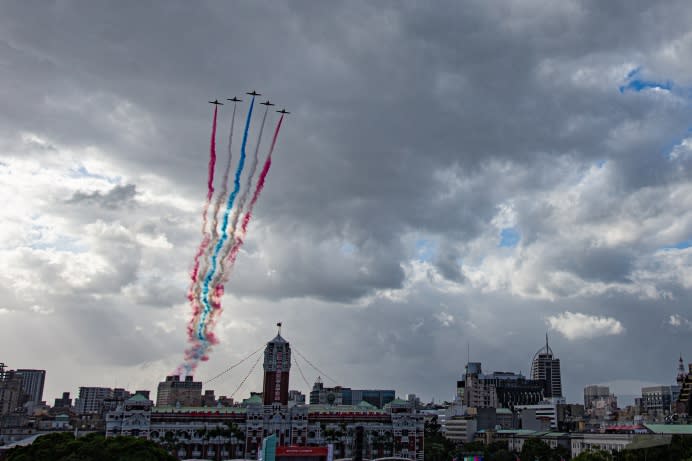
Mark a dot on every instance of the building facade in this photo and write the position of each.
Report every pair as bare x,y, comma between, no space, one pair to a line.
376,397
321,395
546,367
539,417
656,401
176,392
90,400
63,402
11,394
131,418
32,384
499,389
277,367
238,431
593,393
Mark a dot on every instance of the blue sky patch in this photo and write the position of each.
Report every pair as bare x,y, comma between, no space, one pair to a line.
680,245
348,248
63,245
509,237
426,249
82,172
634,83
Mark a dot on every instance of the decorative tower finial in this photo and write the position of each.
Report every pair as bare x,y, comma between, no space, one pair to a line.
279,325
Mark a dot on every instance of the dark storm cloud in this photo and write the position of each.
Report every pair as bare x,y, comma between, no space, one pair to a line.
408,122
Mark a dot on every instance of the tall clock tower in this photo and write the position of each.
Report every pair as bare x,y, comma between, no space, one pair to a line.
277,364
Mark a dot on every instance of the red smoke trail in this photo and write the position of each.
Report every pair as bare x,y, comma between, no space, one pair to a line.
201,266
224,183
237,212
248,215
212,159
194,274
240,235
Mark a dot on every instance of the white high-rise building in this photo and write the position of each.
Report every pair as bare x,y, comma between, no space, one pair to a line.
546,367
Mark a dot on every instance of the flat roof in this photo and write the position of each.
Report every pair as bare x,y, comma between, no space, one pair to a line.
670,428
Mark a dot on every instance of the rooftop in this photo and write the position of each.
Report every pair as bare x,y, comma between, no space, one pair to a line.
670,428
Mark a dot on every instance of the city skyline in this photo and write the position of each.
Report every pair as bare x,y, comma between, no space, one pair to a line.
450,174
251,372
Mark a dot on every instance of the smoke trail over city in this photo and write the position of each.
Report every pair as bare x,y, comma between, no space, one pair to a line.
195,288
217,253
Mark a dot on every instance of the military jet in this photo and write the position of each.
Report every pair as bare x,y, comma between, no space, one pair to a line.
216,102
254,93
234,99
267,103
283,111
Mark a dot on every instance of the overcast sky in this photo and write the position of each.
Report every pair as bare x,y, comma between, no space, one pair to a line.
459,173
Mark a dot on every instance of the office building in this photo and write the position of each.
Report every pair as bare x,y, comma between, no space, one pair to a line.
499,389
209,398
174,392
656,400
329,395
296,397
593,393
546,367
539,417
683,404
340,395
63,402
32,384
474,390
90,400
376,397
11,393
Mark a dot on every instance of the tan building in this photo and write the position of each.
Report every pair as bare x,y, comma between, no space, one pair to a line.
174,392
11,393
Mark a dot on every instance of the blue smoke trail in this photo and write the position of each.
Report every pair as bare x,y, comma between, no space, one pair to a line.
224,225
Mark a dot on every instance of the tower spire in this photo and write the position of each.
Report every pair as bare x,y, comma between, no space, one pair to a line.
279,325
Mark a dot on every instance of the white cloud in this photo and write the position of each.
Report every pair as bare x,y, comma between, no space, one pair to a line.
577,326
445,318
678,321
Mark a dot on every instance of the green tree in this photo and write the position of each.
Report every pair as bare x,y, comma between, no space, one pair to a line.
501,455
93,447
599,455
437,446
537,450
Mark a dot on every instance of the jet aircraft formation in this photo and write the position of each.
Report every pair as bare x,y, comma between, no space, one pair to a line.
223,238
